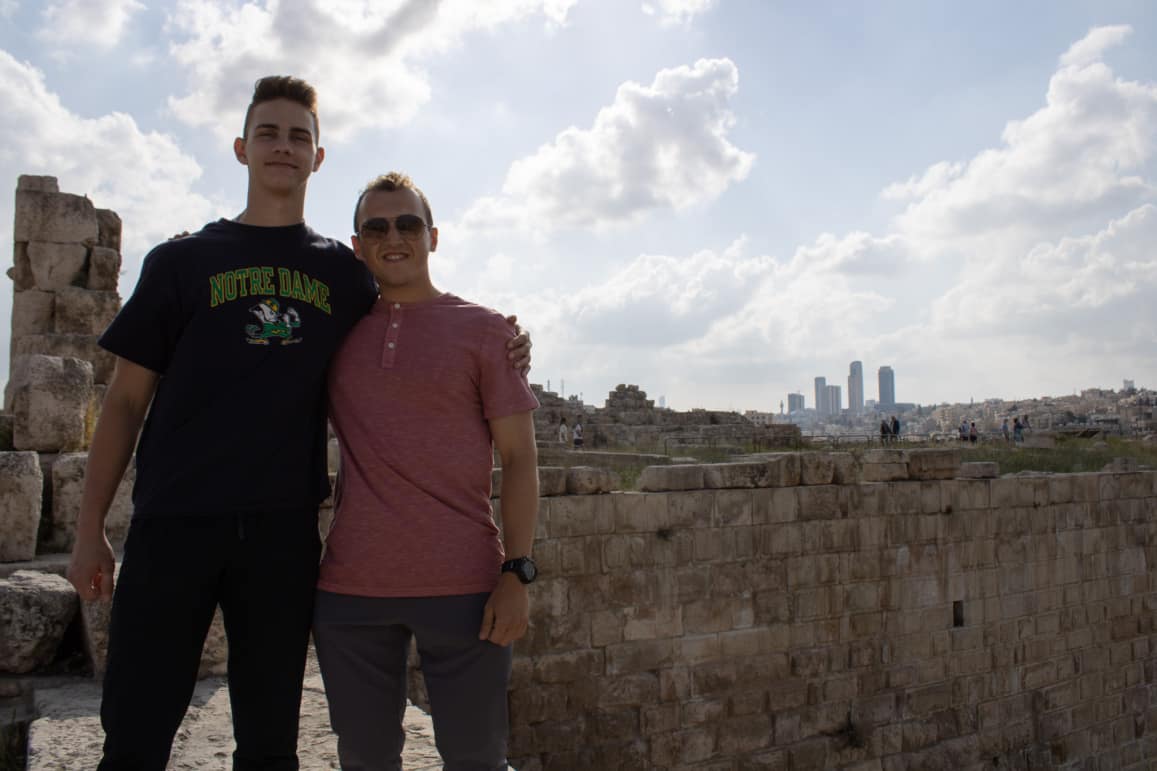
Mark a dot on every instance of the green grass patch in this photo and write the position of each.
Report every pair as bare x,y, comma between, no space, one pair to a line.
1069,456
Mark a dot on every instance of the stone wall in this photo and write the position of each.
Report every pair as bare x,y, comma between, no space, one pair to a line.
914,621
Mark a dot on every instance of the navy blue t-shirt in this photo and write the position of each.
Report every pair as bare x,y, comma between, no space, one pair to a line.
241,323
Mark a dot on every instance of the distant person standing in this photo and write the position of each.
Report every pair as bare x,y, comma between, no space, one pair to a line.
1004,430
563,433
885,431
972,435
895,429
963,430
1017,431
578,433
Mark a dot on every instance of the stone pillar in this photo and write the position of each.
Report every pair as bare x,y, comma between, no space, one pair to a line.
21,495
66,263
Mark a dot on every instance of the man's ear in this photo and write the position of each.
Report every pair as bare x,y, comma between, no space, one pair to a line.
239,151
433,239
356,244
318,157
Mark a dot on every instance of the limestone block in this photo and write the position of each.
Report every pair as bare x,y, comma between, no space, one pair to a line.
35,610
885,456
933,464
37,183
731,475
783,470
32,312
846,469
21,270
982,470
551,480
55,266
884,472
588,480
816,468
75,346
95,618
104,268
67,486
109,229
84,311
661,478
56,217
21,494
333,455
51,398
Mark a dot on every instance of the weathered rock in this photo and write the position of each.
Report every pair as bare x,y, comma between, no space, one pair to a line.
35,183
104,268
35,610
333,455
551,480
588,480
109,229
7,423
51,399
67,487
884,472
32,312
21,270
661,478
21,491
95,618
783,470
845,468
816,468
933,464
55,266
54,217
84,311
76,346
984,470
731,475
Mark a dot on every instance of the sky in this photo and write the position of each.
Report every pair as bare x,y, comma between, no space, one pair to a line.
715,200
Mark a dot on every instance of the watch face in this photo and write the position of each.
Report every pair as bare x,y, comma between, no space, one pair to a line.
528,570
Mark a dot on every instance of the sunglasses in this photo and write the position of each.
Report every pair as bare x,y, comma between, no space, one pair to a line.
409,226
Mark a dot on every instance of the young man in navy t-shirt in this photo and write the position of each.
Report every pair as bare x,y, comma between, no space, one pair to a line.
228,337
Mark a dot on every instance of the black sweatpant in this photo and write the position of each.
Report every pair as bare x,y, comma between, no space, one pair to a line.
262,570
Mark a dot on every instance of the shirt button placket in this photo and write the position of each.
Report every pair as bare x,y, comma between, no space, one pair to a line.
393,331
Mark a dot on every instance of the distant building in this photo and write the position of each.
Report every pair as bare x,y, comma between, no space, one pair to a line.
1129,386
856,388
834,402
887,388
795,403
822,396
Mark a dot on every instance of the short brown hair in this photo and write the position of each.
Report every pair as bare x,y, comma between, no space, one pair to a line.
395,180
283,87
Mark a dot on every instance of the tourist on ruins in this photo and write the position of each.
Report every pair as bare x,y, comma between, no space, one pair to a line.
895,429
885,431
414,551
563,433
228,336
972,435
1017,431
1004,430
964,429
578,433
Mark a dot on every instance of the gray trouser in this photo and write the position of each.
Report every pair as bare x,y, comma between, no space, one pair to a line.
362,645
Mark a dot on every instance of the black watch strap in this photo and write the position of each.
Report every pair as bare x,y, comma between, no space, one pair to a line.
523,567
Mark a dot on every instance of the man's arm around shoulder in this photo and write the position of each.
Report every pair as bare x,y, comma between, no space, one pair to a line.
507,612
91,568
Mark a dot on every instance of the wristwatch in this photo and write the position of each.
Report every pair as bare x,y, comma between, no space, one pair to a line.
523,567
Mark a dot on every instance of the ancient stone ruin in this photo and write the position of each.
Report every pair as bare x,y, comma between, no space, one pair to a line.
885,610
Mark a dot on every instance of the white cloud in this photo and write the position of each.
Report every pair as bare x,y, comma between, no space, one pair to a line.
8,8
365,56
671,12
143,176
97,23
663,145
1073,163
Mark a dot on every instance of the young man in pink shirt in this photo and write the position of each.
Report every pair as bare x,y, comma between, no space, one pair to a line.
420,394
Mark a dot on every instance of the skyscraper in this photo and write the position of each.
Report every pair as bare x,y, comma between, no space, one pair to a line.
794,402
834,401
856,388
887,387
821,396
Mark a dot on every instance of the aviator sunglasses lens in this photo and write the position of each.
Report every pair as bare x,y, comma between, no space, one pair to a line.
408,225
